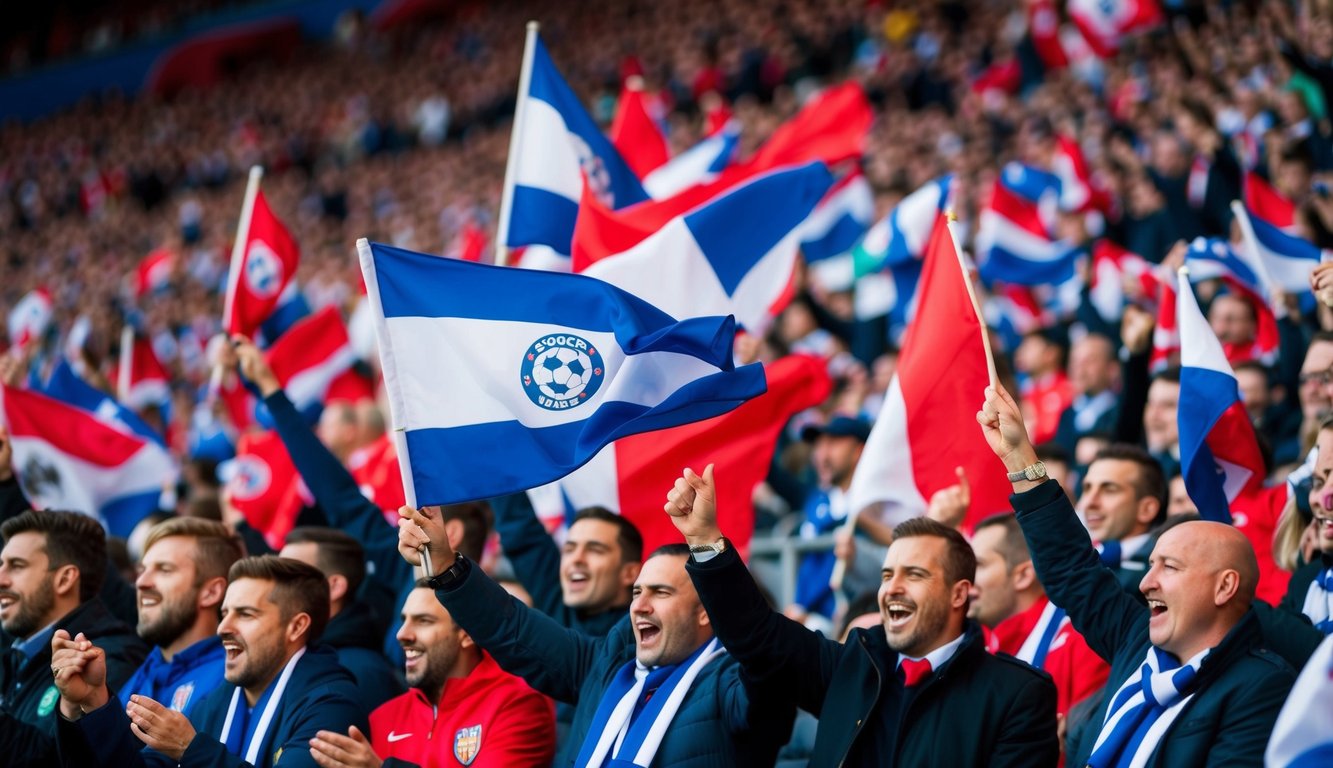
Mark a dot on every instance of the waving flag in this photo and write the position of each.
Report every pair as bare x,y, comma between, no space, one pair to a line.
66,386
705,262
1166,335
264,486
1215,259
68,459
922,432
266,266
1219,454
291,309
1303,734
1114,271
635,133
698,165
1264,202
1013,245
1283,261
839,220
141,379
501,380
310,357
629,475
556,145
154,272
1106,23
1030,183
1078,190
29,318
887,261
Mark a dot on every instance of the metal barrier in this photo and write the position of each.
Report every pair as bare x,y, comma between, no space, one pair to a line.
774,560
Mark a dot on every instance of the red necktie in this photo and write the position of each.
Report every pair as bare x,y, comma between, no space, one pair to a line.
915,671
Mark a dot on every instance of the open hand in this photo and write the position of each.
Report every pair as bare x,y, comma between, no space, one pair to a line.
162,729
333,750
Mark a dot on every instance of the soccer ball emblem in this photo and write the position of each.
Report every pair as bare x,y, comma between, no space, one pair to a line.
561,371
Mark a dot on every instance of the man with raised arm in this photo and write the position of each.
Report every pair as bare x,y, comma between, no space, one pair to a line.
1190,683
919,689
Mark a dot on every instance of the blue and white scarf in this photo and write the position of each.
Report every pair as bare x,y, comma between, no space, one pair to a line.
618,737
1143,709
1319,602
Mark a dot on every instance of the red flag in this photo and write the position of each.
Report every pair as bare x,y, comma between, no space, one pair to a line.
740,443
635,133
154,272
375,469
928,423
1268,203
267,265
146,381
263,485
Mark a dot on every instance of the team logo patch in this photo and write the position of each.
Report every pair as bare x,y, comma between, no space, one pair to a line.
467,743
263,270
48,703
562,371
181,697
247,478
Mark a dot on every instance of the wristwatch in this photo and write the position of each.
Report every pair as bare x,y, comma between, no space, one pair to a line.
453,573
1030,472
716,548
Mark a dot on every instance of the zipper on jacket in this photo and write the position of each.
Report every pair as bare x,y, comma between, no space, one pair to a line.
879,690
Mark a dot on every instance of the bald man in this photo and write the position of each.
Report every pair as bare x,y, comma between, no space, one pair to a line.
1190,682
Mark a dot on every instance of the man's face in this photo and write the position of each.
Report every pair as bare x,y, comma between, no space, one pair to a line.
337,428
168,590
1159,415
1314,390
1232,320
994,597
431,641
916,599
253,634
669,620
1178,501
1180,586
834,459
593,576
27,585
1321,492
1109,504
1254,392
1091,366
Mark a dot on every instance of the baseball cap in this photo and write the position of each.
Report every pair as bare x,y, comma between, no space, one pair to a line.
838,426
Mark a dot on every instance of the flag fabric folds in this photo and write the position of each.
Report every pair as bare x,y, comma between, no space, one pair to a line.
1014,246
1283,260
30,317
1219,454
502,379
267,266
310,357
140,377
66,458
927,425
66,386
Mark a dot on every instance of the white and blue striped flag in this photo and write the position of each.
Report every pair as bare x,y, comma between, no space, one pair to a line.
501,380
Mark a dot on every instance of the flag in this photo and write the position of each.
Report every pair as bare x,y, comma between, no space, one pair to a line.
557,145
140,378
264,486
1079,192
1114,271
831,127
1282,260
154,272
697,165
926,426
735,255
66,458
291,309
375,469
1214,258
1302,737
310,357
635,133
1264,202
1219,454
633,474
1013,244
887,261
1030,183
1166,335
267,265
1044,31
1106,23
66,386
504,379
30,317
839,220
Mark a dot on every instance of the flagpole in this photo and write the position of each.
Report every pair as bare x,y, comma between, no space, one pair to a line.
515,136
951,221
126,362
237,258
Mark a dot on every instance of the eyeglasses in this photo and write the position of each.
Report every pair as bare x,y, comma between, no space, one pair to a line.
1322,378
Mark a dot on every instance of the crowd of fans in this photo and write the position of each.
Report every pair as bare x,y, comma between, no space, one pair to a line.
401,137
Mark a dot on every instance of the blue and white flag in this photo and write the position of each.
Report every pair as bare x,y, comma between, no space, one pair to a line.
1303,734
66,386
1014,244
556,146
1283,260
697,165
839,221
503,379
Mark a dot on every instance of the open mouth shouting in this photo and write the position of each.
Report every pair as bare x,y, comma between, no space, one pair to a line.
1157,609
577,580
648,632
898,614
234,648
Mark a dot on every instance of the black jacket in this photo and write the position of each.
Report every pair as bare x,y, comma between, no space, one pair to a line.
975,710
27,722
1241,685
1299,586
357,637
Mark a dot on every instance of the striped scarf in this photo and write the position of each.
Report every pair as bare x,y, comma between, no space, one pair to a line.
1319,602
1143,709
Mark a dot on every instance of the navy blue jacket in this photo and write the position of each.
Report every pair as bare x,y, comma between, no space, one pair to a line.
975,710
320,695
1241,685
722,722
357,638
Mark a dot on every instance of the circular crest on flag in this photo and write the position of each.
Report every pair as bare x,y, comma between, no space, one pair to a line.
562,371
248,477
263,270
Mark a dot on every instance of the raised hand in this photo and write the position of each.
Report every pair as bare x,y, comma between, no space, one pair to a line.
692,504
6,456
418,528
333,750
1002,425
253,365
162,729
949,505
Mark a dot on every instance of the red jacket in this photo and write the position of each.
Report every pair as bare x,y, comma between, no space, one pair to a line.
489,719
1255,515
1077,671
